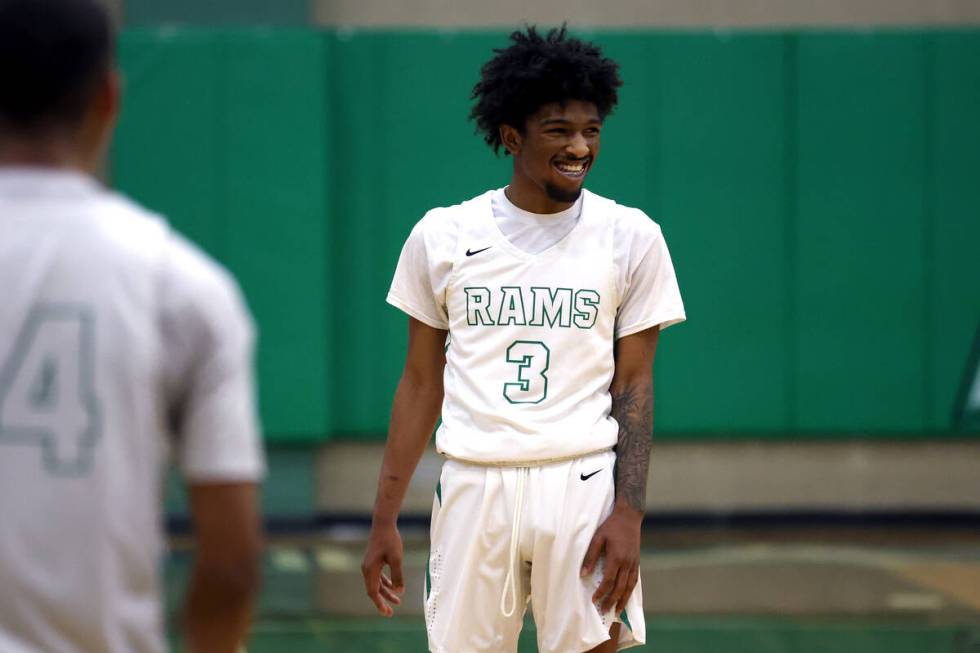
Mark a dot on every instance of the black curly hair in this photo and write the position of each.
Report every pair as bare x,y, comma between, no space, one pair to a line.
538,69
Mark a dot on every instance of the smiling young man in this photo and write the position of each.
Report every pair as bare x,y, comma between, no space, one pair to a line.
534,312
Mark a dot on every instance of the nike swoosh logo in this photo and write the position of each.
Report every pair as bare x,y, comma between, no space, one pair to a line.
471,253
586,477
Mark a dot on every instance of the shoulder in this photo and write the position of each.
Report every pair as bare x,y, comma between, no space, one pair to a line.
182,263
201,303
197,283
444,219
190,271
440,228
129,231
629,224
193,285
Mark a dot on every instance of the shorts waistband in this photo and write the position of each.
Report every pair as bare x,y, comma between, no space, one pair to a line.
526,463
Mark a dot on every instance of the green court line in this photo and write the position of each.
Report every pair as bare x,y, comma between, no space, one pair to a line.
664,634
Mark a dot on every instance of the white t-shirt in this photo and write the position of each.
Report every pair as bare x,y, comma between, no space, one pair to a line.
532,232
531,336
114,332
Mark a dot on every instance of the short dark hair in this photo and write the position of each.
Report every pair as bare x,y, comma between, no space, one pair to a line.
538,69
53,54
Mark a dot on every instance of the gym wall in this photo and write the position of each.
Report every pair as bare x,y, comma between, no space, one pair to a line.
817,189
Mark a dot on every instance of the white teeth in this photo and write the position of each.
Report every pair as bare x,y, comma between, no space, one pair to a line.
571,168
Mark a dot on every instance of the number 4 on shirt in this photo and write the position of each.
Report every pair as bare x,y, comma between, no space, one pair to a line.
47,395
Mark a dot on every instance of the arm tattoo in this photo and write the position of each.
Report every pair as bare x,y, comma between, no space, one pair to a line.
632,408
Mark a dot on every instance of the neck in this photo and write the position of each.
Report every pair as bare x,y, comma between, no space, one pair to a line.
526,195
41,152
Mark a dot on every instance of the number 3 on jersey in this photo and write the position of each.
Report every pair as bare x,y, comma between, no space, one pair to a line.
532,359
46,389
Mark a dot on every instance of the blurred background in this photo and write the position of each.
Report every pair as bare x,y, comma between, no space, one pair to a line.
815,166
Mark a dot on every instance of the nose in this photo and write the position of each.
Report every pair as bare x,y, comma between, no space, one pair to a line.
578,146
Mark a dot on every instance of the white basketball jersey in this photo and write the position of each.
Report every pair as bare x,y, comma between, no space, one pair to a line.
530,352
112,329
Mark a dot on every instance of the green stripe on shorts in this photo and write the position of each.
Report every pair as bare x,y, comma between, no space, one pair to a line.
623,618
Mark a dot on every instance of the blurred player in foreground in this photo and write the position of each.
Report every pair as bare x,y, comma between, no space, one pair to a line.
552,299
114,331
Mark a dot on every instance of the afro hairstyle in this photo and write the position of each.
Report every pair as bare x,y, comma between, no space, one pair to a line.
537,69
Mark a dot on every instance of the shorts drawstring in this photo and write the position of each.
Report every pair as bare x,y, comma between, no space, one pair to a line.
510,583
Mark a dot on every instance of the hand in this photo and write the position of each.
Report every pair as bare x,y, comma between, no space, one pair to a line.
618,538
384,547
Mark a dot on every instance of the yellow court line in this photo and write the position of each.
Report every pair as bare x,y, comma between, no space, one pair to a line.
959,580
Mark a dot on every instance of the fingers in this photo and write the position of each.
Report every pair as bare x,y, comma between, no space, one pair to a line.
609,575
619,590
372,584
397,580
634,578
592,554
619,578
382,590
387,592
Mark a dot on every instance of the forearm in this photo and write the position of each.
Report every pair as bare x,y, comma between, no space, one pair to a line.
218,610
225,575
414,413
632,408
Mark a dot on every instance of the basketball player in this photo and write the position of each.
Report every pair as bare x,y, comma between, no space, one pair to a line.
113,330
534,312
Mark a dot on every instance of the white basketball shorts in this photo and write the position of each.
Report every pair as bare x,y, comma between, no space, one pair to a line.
472,604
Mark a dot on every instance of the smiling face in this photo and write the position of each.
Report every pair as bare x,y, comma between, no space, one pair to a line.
552,155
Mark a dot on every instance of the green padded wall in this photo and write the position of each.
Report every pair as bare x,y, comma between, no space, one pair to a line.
818,192
232,149
860,227
953,253
718,167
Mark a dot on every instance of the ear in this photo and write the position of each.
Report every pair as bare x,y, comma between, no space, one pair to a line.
109,98
99,122
511,139
104,107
